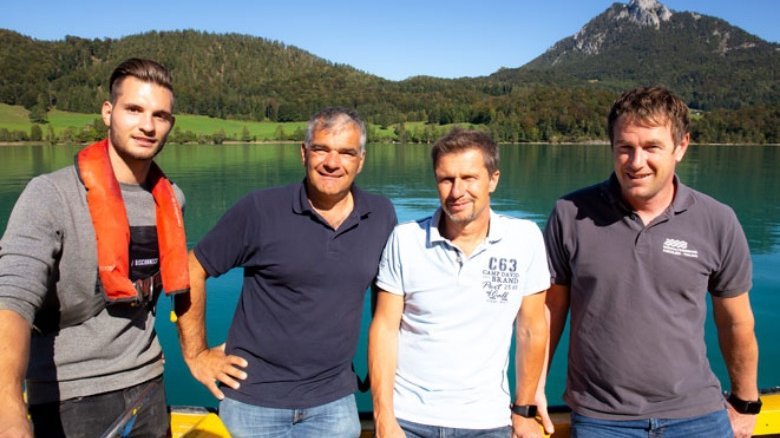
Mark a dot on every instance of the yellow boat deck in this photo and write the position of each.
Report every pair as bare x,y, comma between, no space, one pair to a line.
200,423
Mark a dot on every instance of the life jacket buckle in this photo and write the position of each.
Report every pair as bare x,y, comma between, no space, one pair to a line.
147,287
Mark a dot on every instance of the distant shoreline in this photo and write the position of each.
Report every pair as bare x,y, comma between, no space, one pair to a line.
269,142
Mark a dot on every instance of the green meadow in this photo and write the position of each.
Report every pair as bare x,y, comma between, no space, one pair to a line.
16,119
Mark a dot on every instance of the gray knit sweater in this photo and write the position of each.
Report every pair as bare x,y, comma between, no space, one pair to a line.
48,253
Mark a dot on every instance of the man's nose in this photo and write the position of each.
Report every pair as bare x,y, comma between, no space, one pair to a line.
637,158
332,160
457,188
147,123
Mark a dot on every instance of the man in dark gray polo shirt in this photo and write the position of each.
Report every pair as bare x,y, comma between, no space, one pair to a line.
633,258
309,252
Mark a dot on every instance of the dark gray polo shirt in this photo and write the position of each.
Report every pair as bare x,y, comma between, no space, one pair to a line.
638,299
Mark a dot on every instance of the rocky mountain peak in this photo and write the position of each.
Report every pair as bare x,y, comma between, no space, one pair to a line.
646,12
643,13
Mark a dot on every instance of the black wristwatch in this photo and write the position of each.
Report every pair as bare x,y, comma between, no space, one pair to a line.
745,406
527,411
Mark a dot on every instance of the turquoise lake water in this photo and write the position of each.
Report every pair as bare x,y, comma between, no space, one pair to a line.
532,177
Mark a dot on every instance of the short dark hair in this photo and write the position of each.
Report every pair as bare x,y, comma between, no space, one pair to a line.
651,105
459,140
335,116
145,70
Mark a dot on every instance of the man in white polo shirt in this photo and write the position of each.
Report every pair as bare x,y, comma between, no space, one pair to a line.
451,286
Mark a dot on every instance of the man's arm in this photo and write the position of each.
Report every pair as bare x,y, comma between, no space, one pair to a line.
735,323
14,353
382,360
531,338
557,303
556,310
207,365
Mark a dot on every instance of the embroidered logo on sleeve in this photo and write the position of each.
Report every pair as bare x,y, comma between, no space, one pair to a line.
679,248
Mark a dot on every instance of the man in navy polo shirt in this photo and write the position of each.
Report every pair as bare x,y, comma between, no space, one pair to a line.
634,257
309,252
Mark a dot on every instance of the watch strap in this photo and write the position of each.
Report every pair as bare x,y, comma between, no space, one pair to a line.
527,411
745,406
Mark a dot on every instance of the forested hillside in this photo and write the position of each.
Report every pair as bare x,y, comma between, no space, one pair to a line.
726,75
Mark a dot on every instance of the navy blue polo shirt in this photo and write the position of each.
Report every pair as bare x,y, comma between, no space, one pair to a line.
297,320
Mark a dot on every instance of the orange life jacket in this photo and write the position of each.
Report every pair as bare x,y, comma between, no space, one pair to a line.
112,229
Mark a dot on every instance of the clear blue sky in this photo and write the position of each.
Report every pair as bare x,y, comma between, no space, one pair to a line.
393,39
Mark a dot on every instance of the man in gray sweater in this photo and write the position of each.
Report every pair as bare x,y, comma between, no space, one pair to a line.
81,267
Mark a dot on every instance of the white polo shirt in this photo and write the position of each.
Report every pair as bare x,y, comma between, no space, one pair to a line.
458,320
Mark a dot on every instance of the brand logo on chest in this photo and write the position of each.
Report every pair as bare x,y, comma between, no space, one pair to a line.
679,248
499,278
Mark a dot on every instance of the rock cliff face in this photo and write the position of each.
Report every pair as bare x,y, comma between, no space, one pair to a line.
642,13
646,13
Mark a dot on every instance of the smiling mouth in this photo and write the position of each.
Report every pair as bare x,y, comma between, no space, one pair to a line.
457,205
635,177
145,141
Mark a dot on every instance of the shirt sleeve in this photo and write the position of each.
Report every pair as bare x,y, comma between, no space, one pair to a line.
30,248
735,273
557,255
229,244
180,197
538,274
390,276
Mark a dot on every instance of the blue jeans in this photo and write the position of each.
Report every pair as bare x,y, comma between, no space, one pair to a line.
417,430
713,425
93,415
335,419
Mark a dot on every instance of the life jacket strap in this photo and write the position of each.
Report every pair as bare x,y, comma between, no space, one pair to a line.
50,320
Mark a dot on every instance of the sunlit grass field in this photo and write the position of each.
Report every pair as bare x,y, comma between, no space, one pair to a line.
15,118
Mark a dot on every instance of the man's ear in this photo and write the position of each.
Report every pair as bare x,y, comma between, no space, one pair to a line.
105,112
494,180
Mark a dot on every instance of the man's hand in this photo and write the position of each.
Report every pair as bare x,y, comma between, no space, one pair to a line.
541,410
15,425
523,427
388,429
212,365
742,424
14,352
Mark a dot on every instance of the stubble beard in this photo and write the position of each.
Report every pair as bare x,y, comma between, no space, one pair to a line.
461,218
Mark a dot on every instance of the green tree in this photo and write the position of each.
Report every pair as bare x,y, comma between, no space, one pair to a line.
51,137
245,135
279,133
36,133
218,137
400,133
39,112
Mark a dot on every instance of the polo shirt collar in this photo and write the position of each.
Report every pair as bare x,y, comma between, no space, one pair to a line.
495,232
301,205
683,195
433,230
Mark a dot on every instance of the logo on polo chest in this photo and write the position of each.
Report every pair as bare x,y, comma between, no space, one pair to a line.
679,248
499,278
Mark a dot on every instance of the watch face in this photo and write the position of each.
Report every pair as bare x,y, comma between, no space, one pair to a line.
752,407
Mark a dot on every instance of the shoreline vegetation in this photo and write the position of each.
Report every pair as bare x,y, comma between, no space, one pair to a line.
69,128
276,142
